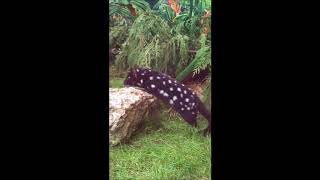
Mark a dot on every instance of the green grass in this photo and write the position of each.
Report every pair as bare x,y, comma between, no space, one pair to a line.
175,151
116,82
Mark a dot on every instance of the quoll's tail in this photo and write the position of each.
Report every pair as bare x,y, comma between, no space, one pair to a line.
203,110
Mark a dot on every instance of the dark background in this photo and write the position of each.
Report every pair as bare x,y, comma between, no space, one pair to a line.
55,90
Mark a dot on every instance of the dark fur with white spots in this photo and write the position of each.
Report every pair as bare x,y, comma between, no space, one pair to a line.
170,91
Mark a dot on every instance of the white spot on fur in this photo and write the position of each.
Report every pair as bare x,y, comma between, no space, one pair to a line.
182,109
164,83
178,89
185,92
192,112
169,81
187,100
181,95
171,102
161,91
141,81
158,77
153,86
151,77
181,103
174,98
188,108
166,94
171,89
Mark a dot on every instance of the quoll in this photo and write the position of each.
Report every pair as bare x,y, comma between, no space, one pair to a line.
171,92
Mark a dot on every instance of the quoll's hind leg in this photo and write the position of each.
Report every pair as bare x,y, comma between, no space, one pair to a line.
207,131
190,119
195,125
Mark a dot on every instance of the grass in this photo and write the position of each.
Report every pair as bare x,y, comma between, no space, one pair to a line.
175,151
116,82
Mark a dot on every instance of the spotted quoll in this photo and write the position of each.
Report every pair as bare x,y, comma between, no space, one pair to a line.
170,91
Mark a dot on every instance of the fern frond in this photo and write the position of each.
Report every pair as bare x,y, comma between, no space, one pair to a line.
203,59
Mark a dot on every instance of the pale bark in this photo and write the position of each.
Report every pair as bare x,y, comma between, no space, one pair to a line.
127,110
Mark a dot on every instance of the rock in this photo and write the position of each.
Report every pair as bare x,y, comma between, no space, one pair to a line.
127,110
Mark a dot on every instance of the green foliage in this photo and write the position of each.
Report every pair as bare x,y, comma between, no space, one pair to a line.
150,44
140,5
203,56
186,71
116,82
164,10
118,33
147,38
119,7
207,92
203,60
199,6
179,46
193,26
116,9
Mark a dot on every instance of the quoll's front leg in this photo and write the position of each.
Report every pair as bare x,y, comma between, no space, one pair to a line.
207,131
195,124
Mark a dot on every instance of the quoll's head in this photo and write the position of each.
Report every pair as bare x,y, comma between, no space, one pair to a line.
132,78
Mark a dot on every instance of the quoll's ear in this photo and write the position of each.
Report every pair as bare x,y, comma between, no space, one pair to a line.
134,72
131,71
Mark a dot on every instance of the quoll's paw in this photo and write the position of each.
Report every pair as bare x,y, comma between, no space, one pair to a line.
206,132
195,124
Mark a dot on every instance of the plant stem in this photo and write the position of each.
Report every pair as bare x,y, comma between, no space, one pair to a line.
191,7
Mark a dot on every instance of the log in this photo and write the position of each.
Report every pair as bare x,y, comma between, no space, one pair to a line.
128,108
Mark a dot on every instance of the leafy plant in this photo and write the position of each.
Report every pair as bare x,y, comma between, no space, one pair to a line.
127,8
164,10
118,33
207,91
145,45
203,56
166,38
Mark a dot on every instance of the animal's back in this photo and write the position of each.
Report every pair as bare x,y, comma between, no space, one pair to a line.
170,91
